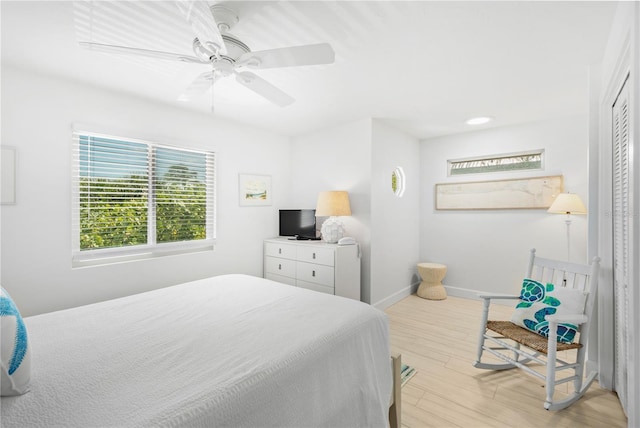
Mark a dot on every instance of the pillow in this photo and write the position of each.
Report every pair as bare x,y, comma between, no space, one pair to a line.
538,301
15,354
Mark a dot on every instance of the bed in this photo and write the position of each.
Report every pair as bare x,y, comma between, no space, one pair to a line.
226,351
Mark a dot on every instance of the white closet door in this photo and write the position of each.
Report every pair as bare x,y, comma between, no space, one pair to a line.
621,234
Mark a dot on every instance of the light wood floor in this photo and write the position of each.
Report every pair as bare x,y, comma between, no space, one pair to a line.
439,339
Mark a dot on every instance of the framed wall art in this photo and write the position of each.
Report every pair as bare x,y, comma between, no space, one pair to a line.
254,190
523,193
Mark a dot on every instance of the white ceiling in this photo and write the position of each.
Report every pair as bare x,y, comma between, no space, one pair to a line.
423,66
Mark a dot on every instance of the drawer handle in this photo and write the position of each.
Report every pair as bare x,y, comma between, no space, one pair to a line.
314,255
279,266
279,250
313,273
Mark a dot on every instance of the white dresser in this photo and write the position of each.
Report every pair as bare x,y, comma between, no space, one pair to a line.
314,265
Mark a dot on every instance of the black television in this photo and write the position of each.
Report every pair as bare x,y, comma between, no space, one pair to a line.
299,223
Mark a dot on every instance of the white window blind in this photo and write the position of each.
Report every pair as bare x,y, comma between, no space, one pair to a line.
136,198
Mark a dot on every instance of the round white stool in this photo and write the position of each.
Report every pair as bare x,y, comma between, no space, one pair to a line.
432,275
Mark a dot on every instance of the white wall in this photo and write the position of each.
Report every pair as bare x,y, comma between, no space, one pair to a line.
359,157
488,250
395,221
37,115
338,159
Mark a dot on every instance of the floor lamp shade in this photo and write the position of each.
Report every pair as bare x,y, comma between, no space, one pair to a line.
567,203
332,204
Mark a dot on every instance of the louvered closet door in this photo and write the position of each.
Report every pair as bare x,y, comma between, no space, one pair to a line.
621,233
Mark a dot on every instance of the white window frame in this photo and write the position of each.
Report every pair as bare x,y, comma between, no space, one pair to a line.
84,258
496,161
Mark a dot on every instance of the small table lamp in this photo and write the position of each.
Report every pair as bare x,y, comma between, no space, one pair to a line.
332,204
567,203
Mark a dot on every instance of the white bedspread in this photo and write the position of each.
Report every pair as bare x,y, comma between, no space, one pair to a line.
228,351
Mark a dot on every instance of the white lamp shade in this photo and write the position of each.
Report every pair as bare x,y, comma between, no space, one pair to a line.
333,203
567,203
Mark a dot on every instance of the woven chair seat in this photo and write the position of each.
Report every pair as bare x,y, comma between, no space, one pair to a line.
526,337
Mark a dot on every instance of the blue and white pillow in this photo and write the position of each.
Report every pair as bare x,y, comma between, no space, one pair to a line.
538,300
15,353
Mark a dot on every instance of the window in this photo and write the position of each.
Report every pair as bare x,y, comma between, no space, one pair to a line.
497,163
397,182
138,199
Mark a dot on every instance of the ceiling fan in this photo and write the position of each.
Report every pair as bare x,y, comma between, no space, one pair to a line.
226,54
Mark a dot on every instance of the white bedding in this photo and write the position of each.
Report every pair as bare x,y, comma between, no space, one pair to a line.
228,351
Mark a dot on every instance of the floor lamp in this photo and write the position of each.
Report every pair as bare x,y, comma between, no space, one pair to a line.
567,203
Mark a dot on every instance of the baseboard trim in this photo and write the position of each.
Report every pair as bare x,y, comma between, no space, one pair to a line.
461,292
396,297
464,293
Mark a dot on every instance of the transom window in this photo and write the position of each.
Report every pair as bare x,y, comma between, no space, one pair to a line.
135,199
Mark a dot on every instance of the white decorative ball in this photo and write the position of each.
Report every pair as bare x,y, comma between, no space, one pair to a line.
332,230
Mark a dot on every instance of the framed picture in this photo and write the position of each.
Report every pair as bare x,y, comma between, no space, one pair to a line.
524,193
254,190
8,179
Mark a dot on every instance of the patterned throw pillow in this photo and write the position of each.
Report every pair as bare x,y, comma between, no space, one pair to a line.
538,300
15,354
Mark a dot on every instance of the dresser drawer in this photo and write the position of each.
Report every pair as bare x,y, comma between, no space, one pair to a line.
317,274
286,251
283,267
315,287
279,278
319,266
319,255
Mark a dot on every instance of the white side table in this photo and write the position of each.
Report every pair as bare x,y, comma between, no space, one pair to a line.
432,275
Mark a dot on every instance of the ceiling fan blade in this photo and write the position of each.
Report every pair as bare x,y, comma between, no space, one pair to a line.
142,52
199,85
321,53
263,88
203,24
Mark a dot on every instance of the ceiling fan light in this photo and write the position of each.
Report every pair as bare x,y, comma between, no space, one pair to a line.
244,78
201,51
213,47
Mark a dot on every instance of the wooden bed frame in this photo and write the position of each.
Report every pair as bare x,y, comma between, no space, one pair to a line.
395,407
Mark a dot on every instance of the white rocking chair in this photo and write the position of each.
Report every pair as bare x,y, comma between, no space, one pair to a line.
537,348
